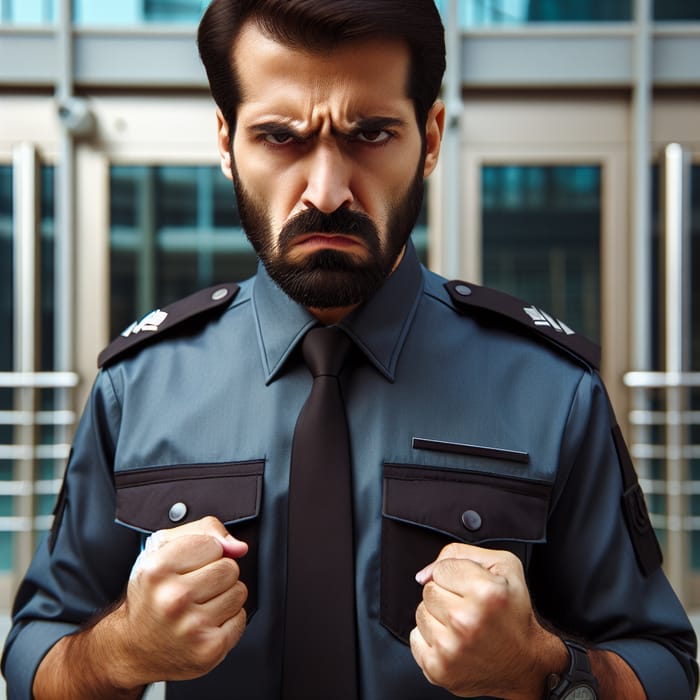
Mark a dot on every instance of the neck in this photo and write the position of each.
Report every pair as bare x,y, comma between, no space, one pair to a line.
329,317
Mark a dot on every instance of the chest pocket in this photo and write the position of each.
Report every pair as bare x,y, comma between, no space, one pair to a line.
157,498
426,508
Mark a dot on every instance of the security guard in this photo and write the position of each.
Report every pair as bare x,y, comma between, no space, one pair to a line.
499,538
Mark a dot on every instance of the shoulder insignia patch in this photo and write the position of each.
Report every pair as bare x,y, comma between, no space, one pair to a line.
467,296
646,546
156,322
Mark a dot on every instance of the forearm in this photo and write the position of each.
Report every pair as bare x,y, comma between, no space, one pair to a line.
91,664
617,681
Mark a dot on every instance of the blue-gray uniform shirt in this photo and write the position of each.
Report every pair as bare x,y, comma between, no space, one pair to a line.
204,414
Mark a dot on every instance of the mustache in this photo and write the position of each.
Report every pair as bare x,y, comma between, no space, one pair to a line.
341,221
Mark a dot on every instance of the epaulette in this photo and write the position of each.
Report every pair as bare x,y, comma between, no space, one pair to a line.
467,296
158,321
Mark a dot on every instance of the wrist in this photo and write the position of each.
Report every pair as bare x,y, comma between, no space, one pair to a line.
578,682
552,657
114,662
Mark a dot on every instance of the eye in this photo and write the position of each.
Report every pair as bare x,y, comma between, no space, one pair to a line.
278,138
373,136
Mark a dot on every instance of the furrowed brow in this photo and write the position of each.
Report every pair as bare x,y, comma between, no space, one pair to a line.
277,128
376,124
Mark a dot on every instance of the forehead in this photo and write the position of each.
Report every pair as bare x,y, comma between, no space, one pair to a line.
358,78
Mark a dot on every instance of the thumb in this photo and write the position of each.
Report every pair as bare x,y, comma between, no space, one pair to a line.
233,548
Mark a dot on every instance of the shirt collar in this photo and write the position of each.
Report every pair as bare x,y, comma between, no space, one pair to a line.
378,327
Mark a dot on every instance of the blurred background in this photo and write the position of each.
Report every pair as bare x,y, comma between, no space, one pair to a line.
570,177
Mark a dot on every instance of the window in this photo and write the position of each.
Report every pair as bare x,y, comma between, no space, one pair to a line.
48,468
98,12
677,10
173,10
541,239
479,13
28,11
174,229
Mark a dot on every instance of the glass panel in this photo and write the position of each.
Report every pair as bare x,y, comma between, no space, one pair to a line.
47,268
52,467
541,239
131,12
173,10
175,229
28,11
6,349
481,13
676,10
6,272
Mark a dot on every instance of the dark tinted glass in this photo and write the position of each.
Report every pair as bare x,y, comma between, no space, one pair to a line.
541,239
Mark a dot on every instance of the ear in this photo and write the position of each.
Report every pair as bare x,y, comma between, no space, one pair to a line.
434,129
224,140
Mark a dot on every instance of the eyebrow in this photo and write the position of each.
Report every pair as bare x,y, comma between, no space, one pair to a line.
363,124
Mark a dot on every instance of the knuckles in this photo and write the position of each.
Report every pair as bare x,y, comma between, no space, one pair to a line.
173,599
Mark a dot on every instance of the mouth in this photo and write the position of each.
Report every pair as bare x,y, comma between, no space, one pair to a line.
312,242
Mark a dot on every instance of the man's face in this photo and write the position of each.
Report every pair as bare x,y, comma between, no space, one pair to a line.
327,163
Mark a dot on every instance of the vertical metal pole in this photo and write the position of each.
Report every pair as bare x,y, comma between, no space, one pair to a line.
641,196
452,248
26,260
64,249
65,204
640,178
676,246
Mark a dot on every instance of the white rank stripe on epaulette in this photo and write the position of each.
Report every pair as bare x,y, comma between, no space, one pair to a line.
542,318
466,296
150,322
156,322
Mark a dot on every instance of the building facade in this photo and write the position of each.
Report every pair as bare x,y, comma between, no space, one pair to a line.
570,177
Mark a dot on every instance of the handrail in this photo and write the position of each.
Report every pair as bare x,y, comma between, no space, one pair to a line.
660,380
29,451
38,380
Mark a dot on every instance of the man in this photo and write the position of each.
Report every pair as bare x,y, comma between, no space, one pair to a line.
500,545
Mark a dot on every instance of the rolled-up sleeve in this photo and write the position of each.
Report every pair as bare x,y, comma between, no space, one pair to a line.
81,566
597,577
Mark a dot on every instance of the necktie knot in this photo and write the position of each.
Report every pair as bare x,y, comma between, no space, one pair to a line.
325,349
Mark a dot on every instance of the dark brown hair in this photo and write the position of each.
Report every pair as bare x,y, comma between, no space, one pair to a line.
319,25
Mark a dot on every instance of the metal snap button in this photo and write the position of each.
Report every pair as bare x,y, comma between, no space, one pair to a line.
219,294
463,290
177,512
471,520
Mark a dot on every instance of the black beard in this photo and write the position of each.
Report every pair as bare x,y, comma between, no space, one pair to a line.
330,278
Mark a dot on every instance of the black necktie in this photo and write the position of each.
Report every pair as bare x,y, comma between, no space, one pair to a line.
320,648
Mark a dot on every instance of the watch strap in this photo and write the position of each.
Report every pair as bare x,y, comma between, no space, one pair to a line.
558,685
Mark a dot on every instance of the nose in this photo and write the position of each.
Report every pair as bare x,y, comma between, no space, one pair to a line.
328,179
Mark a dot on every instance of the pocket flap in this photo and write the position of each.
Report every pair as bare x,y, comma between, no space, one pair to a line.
472,507
155,498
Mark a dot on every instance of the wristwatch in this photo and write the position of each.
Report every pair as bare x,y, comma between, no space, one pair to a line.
578,683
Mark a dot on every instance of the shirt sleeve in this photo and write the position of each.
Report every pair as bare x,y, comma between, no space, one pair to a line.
81,566
597,577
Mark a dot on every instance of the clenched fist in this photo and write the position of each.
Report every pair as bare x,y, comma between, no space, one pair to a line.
184,601
476,632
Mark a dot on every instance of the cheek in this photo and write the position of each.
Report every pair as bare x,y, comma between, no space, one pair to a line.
276,188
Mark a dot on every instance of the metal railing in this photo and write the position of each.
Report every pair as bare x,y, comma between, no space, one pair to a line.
663,450
663,402
31,444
